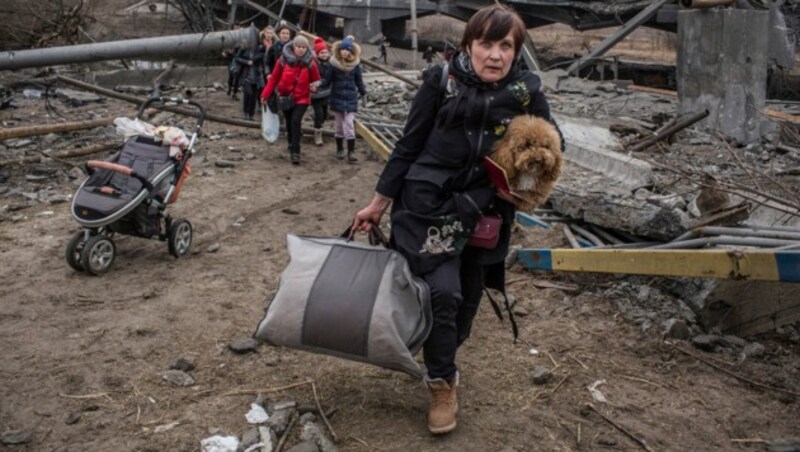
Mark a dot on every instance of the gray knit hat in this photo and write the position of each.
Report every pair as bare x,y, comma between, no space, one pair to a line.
300,40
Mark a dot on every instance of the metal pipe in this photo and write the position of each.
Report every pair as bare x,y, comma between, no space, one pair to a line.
130,48
571,237
588,235
744,232
605,235
772,228
701,4
726,240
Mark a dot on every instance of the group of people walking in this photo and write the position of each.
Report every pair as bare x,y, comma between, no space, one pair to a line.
287,75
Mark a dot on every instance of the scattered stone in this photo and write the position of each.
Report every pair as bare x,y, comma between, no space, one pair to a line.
753,350
604,440
78,98
706,342
218,86
222,163
207,173
268,438
266,248
280,420
178,378
220,444
58,199
257,414
12,437
284,405
730,340
213,248
271,361
4,177
316,433
288,211
73,418
215,137
519,311
249,438
305,446
249,156
183,363
541,375
239,222
677,329
45,213
36,177
243,344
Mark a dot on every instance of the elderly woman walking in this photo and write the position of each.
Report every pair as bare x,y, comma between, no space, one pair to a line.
439,189
346,85
291,80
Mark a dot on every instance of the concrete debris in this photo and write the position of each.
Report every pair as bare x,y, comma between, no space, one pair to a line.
12,437
178,378
676,329
183,363
257,414
249,438
280,419
541,375
75,98
269,440
72,418
596,394
646,305
305,446
243,344
313,431
220,444
753,350
706,342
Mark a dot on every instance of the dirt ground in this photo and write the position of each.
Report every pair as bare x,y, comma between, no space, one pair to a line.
97,346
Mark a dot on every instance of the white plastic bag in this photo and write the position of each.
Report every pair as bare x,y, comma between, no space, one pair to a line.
128,127
270,125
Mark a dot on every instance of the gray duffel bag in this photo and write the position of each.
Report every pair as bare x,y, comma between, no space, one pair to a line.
351,300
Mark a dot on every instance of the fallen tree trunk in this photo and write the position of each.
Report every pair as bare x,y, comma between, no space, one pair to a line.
44,129
88,150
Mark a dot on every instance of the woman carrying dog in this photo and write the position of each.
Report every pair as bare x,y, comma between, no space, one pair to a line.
291,80
440,190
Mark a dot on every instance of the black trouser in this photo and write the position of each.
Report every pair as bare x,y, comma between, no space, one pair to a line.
250,99
456,289
233,82
320,111
294,127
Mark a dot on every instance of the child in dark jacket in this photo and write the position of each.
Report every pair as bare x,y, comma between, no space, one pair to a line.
346,85
319,100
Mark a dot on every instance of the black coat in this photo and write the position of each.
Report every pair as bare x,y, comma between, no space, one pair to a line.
435,175
251,74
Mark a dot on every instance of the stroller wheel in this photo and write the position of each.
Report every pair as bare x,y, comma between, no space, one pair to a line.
98,254
180,238
75,249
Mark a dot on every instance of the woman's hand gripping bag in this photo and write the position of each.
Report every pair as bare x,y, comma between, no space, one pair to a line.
350,300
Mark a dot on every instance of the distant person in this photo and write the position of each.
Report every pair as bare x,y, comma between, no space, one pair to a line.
383,44
284,34
251,77
427,55
229,53
346,83
293,75
448,53
267,41
319,99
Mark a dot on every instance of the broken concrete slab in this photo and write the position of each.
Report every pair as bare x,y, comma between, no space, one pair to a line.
596,148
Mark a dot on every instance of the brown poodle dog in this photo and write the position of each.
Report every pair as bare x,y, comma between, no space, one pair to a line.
530,153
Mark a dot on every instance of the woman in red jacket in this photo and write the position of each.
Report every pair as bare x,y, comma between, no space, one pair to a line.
292,76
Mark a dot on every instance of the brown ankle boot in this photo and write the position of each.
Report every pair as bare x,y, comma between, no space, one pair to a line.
444,405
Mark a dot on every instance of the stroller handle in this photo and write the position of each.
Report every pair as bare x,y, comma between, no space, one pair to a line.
94,164
164,100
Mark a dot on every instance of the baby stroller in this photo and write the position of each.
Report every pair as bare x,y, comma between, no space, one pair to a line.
128,194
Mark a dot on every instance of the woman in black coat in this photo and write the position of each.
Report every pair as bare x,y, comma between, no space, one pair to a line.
251,78
439,188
